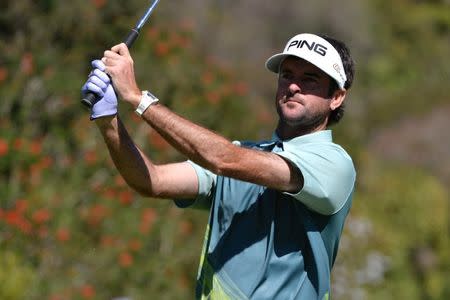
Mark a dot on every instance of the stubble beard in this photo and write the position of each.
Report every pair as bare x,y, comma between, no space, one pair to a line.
305,122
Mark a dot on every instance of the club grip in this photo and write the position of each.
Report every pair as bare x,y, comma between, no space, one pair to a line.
131,37
89,99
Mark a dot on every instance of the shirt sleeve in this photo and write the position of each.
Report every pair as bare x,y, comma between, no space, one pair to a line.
328,175
206,184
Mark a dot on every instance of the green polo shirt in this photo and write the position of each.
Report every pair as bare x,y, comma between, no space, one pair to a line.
261,243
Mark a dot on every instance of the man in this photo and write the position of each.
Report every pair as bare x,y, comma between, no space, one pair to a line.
277,207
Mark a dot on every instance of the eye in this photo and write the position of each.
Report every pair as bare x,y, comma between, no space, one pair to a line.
286,75
310,80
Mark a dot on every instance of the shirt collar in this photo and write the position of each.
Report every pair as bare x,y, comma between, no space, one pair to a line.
318,136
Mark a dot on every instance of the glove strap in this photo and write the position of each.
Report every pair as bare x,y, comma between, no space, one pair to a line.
147,99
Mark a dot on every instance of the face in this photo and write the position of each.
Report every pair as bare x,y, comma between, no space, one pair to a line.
302,98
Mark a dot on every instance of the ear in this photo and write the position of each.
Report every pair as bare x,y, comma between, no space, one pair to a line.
337,99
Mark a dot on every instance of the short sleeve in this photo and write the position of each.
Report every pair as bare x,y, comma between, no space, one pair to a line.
328,174
206,183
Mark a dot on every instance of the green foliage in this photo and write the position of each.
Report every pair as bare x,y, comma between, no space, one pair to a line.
401,219
70,228
408,61
16,276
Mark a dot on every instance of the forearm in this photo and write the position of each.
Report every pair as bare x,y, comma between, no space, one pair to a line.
199,144
133,165
219,155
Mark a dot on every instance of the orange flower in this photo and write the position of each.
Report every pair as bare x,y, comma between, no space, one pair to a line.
125,259
56,297
99,3
87,291
63,234
21,205
90,157
18,143
152,33
119,181
207,78
14,218
41,216
135,245
240,88
158,141
36,147
108,241
148,218
109,194
3,74
213,97
186,227
4,147
161,49
96,214
27,63
126,197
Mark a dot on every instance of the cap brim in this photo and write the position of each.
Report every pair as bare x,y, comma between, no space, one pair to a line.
273,63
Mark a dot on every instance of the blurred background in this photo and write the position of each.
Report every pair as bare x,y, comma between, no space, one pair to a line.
70,228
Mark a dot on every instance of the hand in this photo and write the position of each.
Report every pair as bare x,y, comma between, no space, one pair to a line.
119,66
100,84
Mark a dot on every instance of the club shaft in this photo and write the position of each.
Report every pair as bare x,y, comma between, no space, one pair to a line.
146,15
89,99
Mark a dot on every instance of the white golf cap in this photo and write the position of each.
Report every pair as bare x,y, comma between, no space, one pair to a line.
315,50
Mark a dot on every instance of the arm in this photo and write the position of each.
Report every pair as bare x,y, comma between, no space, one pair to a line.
201,145
177,180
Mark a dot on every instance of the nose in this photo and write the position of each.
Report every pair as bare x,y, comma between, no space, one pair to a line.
294,88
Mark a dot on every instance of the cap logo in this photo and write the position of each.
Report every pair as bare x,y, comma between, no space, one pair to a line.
316,47
315,50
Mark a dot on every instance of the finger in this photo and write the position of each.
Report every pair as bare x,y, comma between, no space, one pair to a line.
121,49
111,54
98,82
102,75
98,64
94,89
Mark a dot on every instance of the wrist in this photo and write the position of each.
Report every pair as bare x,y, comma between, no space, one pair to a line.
134,98
146,100
104,123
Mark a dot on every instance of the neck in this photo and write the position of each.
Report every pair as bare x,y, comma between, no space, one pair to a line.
286,132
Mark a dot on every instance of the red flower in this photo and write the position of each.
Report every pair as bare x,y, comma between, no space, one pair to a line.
126,197
41,216
21,206
87,291
241,88
125,259
3,74
158,141
18,144
161,49
63,235
90,157
99,3
148,218
186,227
36,147
135,245
213,97
4,147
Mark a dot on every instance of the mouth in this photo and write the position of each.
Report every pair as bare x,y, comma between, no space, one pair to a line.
291,99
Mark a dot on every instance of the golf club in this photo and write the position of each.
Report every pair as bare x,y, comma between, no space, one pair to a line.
89,99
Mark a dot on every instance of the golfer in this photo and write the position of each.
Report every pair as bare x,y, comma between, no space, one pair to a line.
276,207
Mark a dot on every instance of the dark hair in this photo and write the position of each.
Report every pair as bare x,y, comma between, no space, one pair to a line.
349,68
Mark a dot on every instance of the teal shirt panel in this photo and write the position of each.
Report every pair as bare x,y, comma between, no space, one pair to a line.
264,244
327,170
